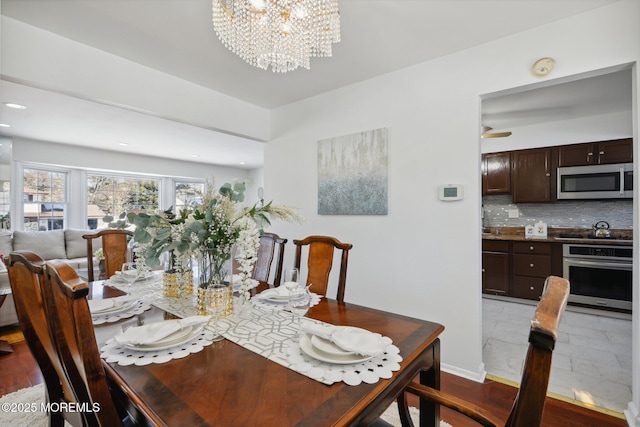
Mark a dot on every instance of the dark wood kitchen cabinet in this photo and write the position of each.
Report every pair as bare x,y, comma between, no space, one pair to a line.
518,269
531,265
531,179
495,267
496,173
596,153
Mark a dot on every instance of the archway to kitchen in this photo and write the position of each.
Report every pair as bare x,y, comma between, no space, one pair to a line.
592,362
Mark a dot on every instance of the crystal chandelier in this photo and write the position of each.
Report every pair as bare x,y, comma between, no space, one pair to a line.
282,34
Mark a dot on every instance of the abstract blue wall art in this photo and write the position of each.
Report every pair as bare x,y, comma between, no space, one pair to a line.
353,174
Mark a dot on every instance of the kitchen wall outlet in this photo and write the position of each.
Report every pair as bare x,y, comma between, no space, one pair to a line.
513,213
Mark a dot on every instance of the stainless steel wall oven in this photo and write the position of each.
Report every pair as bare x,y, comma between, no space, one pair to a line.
600,275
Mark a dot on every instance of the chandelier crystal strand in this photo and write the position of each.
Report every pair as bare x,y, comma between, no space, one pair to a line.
282,34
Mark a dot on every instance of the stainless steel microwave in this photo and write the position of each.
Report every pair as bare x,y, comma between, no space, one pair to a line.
596,182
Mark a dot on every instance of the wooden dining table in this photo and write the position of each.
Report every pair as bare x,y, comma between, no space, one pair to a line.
228,385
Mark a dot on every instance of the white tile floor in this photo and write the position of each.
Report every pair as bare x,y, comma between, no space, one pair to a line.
591,361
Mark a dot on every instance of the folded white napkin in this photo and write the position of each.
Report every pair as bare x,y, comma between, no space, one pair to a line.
356,340
280,292
148,334
98,305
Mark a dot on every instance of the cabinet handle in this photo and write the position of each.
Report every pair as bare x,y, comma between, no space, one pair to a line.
547,174
531,288
483,270
530,248
531,265
601,153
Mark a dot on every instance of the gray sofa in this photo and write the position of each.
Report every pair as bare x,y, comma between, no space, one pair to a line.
67,245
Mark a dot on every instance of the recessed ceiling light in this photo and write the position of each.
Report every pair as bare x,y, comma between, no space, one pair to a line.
14,105
243,163
123,144
195,155
4,125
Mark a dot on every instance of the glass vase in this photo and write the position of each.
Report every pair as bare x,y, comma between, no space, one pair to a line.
214,269
170,285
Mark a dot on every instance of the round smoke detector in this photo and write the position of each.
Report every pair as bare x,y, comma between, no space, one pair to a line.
543,67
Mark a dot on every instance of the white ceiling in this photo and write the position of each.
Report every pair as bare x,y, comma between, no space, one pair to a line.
176,37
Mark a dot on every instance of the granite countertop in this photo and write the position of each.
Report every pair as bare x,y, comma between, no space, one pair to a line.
560,235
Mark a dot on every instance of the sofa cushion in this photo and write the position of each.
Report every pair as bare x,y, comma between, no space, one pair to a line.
47,244
76,245
6,244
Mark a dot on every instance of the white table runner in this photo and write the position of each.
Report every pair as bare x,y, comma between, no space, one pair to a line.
266,330
271,334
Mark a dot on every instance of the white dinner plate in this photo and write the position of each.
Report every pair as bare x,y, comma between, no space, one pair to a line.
275,297
348,359
116,309
329,347
118,277
168,342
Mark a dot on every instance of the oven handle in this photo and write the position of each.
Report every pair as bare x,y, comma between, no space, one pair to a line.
599,264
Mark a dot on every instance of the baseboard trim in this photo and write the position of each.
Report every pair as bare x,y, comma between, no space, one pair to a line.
562,398
477,376
631,414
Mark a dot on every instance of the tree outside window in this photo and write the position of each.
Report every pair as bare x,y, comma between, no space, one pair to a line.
188,195
44,199
113,195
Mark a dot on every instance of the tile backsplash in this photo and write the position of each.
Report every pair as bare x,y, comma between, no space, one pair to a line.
562,214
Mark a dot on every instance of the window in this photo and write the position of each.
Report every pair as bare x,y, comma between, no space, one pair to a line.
5,204
44,199
113,195
188,194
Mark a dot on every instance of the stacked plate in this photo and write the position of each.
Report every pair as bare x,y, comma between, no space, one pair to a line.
328,352
118,277
162,335
112,306
177,338
279,295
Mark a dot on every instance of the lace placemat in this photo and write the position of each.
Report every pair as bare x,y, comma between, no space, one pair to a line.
113,352
138,308
369,371
272,335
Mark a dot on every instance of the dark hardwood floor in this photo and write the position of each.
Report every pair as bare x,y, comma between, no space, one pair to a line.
19,370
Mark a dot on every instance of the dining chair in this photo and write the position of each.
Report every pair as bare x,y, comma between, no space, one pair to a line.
114,248
26,277
266,255
529,401
320,261
66,301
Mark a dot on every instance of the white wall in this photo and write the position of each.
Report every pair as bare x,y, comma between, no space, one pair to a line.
29,150
424,258
49,61
584,129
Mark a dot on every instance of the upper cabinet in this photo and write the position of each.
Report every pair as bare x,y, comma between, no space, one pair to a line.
596,153
531,177
496,173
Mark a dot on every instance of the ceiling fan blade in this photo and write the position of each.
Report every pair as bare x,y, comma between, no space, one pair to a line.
496,135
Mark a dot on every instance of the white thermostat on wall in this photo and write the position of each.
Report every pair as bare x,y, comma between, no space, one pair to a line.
450,192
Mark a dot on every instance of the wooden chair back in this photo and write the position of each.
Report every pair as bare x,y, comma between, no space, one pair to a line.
320,261
266,255
543,334
529,402
114,248
66,299
26,277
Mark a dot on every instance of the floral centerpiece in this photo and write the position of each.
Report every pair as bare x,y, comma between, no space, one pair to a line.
217,231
